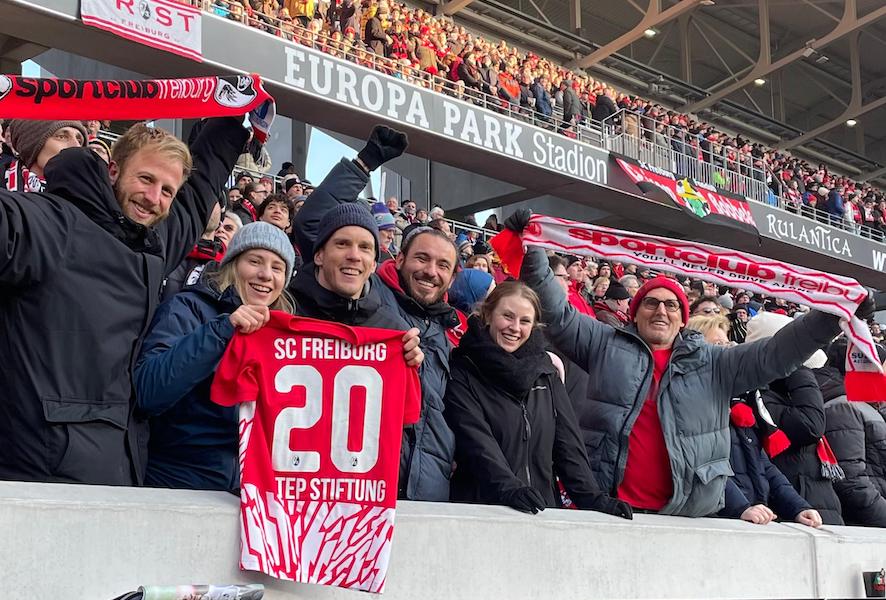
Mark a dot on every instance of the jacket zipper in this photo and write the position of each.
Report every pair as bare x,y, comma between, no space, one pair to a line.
527,433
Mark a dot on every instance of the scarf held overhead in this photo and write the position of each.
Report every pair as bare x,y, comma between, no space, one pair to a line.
118,100
834,294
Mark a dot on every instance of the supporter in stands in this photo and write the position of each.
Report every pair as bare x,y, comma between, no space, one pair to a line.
101,148
92,128
514,425
857,434
479,261
386,231
255,157
7,156
601,284
676,461
36,142
705,305
414,285
207,249
229,225
277,209
756,484
193,442
243,179
613,309
631,284
254,194
796,406
738,319
561,269
69,417
469,288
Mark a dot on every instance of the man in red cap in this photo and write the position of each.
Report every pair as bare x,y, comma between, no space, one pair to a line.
656,417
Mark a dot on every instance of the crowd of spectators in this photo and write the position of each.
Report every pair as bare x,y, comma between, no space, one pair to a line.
437,53
519,406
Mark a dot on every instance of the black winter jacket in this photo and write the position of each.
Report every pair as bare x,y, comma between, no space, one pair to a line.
80,283
797,407
856,432
428,445
513,423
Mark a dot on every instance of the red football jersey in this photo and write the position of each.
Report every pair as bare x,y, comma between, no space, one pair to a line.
322,409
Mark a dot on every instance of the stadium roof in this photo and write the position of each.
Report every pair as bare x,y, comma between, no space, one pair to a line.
817,63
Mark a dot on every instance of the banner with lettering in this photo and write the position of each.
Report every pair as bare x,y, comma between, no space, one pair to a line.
698,200
834,294
190,98
163,24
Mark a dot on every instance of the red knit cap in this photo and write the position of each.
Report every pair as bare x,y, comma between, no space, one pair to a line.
668,284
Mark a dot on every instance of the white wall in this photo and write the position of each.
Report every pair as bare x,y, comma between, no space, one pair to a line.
94,543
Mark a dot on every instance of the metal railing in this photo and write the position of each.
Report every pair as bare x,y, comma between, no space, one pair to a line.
584,130
730,169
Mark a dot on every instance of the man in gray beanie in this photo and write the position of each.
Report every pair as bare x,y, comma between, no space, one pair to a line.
36,142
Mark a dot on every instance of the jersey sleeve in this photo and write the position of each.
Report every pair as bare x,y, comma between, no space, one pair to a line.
412,401
237,376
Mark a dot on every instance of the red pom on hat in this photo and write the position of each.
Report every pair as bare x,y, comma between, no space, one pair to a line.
661,282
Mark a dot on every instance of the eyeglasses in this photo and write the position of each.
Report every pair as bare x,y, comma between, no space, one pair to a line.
710,311
562,275
671,306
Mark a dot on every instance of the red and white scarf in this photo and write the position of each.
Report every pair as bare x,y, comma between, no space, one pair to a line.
834,294
188,98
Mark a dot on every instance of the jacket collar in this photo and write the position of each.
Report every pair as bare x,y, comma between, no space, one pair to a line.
314,300
441,311
79,176
685,355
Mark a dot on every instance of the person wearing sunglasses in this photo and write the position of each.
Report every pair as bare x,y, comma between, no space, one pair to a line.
706,306
655,419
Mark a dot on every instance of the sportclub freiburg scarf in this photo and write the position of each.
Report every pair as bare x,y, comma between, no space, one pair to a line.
834,294
189,98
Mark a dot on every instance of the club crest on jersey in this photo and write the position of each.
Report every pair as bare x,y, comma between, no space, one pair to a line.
235,92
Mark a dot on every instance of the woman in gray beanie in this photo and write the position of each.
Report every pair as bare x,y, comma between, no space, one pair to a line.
193,442
36,142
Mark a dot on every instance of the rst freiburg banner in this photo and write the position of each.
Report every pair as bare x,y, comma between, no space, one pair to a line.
699,200
119,100
828,293
162,24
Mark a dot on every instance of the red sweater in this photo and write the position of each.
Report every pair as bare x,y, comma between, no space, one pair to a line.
647,481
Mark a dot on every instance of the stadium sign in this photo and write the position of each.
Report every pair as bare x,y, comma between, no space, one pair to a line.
162,24
369,91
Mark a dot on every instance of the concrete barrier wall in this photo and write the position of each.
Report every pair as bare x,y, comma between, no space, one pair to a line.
94,543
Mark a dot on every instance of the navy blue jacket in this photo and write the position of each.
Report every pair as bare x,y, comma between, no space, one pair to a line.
757,480
193,441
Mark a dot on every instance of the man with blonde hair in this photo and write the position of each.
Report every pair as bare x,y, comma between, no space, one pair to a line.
82,265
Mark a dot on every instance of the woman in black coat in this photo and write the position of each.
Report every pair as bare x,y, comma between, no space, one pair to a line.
797,408
515,430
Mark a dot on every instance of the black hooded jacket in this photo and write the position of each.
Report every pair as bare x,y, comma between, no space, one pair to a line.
797,407
79,283
513,423
856,432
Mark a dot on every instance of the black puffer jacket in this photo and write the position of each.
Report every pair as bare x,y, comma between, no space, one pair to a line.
797,407
857,434
513,424
79,283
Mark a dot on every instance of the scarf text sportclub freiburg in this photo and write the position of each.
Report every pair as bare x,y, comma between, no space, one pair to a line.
828,293
189,98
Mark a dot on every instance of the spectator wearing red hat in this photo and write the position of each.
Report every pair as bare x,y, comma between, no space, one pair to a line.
659,437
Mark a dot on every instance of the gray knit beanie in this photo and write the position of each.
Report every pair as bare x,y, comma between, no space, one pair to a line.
344,215
28,137
266,237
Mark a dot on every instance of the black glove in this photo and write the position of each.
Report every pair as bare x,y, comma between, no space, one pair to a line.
610,506
867,307
518,221
383,145
525,499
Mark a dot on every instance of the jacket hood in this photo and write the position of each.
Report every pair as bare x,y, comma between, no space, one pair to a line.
79,176
227,301
389,274
313,300
512,372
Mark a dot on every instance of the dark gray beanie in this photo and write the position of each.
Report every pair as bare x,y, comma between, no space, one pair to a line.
344,215
28,137
266,237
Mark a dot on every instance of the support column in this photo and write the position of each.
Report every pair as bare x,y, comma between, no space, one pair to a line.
301,141
685,47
